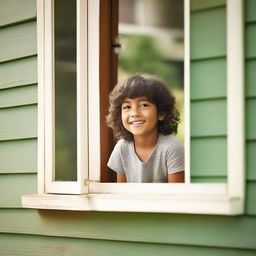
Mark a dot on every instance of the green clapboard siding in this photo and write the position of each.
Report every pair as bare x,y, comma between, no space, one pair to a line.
18,96
250,75
19,156
209,156
250,67
209,179
18,122
208,78
251,198
18,41
52,246
251,161
250,40
208,33
13,186
208,118
18,73
250,7
16,11
251,119
202,4
208,91
179,229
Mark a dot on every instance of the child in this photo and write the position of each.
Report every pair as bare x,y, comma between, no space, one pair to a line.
142,114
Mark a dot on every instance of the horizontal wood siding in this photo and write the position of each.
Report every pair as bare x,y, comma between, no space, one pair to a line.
251,160
251,118
52,246
14,97
250,90
18,72
202,4
18,156
16,11
250,77
208,79
208,118
178,229
250,7
18,122
18,41
24,184
251,197
209,156
208,91
208,33
250,36
44,232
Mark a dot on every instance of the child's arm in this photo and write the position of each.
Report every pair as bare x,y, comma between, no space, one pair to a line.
175,163
115,162
121,178
176,177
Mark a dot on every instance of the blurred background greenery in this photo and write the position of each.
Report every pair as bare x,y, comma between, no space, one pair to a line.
65,90
152,41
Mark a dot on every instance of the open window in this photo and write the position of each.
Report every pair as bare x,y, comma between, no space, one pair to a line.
83,70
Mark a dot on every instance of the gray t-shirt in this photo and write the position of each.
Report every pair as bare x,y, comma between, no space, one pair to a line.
166,158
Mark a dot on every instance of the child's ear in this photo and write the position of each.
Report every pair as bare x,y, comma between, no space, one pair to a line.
161,117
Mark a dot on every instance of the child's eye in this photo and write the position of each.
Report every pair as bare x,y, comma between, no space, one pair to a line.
144,105
126,107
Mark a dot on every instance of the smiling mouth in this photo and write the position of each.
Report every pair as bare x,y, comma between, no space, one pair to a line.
137,123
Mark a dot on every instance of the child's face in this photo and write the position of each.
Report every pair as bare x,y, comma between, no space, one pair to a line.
140,117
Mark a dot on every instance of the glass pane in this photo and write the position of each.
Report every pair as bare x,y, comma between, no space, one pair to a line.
151,34
65,90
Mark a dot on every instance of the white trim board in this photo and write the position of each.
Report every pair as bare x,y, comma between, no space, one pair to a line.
46,118
213,198
136,203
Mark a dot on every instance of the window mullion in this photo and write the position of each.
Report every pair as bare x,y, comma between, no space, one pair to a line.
49,95
94,90
82,98
235,99
187,89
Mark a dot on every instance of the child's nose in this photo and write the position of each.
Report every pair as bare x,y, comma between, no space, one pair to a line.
135,112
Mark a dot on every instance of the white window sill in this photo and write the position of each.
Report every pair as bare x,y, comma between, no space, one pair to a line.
189,204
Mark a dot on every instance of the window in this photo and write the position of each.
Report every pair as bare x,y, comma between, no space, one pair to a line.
83,190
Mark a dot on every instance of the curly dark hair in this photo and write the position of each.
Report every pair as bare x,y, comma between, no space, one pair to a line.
155,91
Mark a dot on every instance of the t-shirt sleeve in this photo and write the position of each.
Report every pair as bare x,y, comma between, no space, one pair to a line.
175,158
115,162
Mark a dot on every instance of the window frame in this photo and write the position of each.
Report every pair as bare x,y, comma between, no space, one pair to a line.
209,198
46,136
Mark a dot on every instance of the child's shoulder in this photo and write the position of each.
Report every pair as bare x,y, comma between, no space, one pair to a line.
169,142
122,144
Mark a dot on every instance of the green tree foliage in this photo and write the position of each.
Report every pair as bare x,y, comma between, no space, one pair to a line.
142,56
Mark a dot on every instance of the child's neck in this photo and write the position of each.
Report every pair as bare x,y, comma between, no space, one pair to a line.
146,142
144,146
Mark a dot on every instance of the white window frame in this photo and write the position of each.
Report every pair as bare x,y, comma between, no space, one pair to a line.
46,136
211,198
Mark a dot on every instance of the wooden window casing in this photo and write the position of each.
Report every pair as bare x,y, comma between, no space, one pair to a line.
214,198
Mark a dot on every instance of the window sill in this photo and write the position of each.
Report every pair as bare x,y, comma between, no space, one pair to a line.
189,204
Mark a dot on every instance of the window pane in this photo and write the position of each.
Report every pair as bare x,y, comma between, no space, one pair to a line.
152,37
65,90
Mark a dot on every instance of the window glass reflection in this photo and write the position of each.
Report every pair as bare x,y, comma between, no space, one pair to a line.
65,90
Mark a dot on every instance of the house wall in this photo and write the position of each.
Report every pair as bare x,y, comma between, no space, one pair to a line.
208,91
46,232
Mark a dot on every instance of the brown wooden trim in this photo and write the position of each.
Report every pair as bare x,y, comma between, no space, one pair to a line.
114,34
108,78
